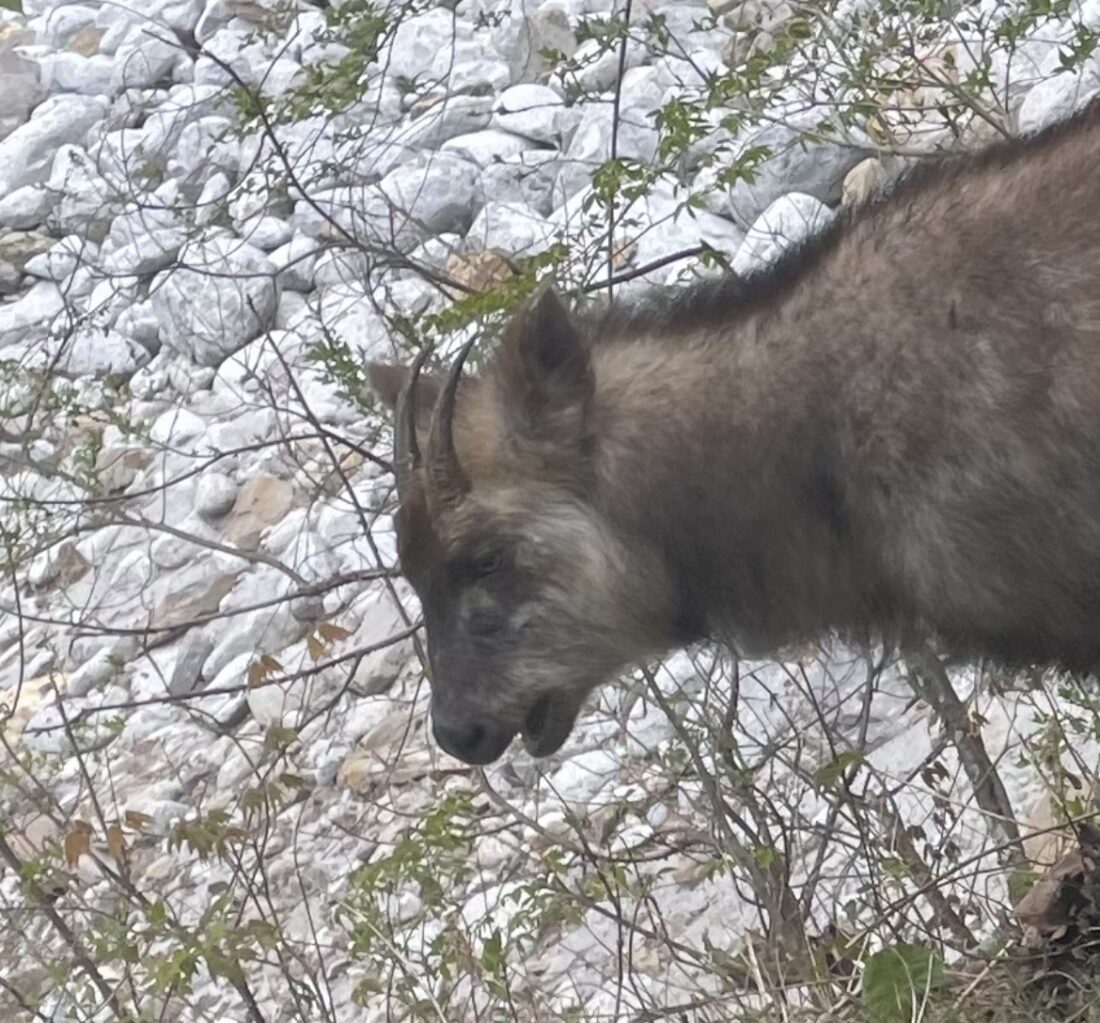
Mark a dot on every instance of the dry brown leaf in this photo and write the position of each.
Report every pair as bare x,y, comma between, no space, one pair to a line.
116,842
78,842
256,673
315,646
137,820
332,632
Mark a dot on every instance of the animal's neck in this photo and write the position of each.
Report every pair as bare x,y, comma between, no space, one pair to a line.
728,473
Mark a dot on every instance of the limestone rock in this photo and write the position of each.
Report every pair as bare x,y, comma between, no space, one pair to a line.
262,502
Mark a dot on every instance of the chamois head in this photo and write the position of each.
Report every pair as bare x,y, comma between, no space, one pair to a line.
530,599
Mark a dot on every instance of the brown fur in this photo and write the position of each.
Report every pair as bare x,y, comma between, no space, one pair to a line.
894,432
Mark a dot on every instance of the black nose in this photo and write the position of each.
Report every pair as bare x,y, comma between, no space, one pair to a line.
470,741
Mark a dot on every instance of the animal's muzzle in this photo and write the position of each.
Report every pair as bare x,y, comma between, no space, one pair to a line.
471,741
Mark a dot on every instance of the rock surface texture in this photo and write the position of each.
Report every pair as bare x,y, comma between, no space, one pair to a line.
212,212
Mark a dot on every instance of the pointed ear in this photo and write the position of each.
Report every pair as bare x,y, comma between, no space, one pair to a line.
387,381
546,372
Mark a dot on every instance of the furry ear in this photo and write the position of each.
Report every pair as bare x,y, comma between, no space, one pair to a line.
547,372
388,380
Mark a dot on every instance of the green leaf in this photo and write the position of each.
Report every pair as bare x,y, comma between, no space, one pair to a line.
828,775
222,965
492,953
764,855
1020,882
897,980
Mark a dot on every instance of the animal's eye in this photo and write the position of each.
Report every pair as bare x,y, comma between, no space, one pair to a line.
488,561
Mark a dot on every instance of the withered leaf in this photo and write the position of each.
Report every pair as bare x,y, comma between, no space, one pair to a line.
116,842
78,842
137,820
332,632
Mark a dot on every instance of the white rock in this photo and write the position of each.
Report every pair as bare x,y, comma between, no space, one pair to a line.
475,70
213,16
535,112
56,27
655,227
204,146
61,259
184,104
260,360
86,200
72,72
487,146
237,48
427,127
20,93
26,207
220,296
187,669
186,379
290,703
293,310
797,165
266,232
527,179
581,777
93,674
89,351
340,266
79,287
600,66
311,555
246,428
147,253
211,199
92,351
27,153
118,156
269,630
1056,98
31,315
214,495
117,22
432,194
259,193
142,61
785,223
176,427
59,561
438,191
423,45
110,296
591,145
511,228
139,323
280,76
294,263
177,15
528,29
348,314
11,279
18,248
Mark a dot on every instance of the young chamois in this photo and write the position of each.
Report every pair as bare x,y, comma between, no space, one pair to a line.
894,433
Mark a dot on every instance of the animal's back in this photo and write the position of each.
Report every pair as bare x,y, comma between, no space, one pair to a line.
970,397
923,382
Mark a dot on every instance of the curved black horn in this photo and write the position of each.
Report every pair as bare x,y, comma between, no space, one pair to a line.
448,482
406,450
